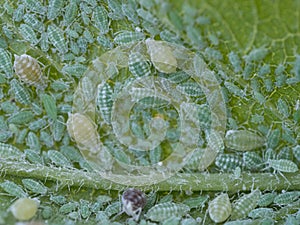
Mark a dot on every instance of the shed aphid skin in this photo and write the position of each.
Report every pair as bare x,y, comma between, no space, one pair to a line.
219,209
133,202
243,140
138,65
24,208
245,204
5,63
161,56
163,211
28,70
84,132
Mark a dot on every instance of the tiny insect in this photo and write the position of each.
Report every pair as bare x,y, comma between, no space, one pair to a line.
34,6
128,37
54,8
47,212
68,207
283,108
28,34
243,140
296,152
273,138
228,162
261,213
219,209
104,101
10,152
147,16
24,208
129,10
100,17
46,139
19,13
264,70
283,165
287,198
256,55
245,204
56,37
32,21
235,90
28,69
21,118
133,202
215,140
34,157
161,56
58,158
266,199
70,12
35,186
58,199
49,104
191,89
13,189
162,211
5,63
21,93
138,65
252,160
213,54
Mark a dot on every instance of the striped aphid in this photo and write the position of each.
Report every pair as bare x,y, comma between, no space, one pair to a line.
245,204
138,65
243,140
58,158
33,142
33,157
21,93
70,13
5,63
100,17
286,198
46,139
10,152
35,186
228,162
21,117
104,101
162,211
219,208
261,213
128,37
49,104
13,189
54,9
28,34
56,37
34,22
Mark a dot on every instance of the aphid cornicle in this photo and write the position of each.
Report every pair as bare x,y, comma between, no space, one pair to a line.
133,201
28,69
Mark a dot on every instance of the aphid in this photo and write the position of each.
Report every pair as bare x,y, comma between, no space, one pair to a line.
283,108
100,17
13,189
273,138
33,157
129,10
76,70
46,139
58,158
8,151
128,37
116,7
283,165
266,199
195,38
33,142
71,153
7,32
296,68
21,93
104,101
162,211
105,42
88,36
245,204
70,12
133,202
32,21
169,36
255,84
286,198
196,202
232,88
56,37
84,132
34,6
268,84
82,45
24,208
161,56
176,20
58,128
191,89
248,70
296,152
138,65
235,62
54,8
243,140
58,199
147,16
28,69
264,70
9,108
35,186
213,54
49,104
5,63
256,55
84,209
261,213
219,209
21,118
19,13
68,207
37,124
44,44
228,162
113,208
47,212
214,140
252,160
285,153
28,34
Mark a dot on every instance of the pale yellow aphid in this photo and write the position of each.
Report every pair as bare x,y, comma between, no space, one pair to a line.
219,209
28,70
24,208
84,132
161,56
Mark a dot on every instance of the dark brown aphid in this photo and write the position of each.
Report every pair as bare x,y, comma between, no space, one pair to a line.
133,201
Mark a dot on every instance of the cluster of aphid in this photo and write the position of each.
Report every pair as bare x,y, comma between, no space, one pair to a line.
36,109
